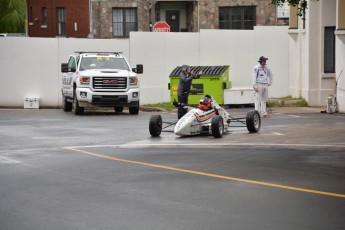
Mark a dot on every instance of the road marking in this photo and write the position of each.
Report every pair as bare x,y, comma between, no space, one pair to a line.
6,160
293,116
214,145
278,134
208,174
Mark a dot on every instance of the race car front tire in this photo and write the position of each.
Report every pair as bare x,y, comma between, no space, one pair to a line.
217,126
155,126
253,121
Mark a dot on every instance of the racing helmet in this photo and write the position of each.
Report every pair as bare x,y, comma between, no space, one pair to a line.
207,101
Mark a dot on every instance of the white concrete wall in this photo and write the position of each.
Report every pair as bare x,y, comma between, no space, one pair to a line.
241,50
340,67
160,53
30,67
340,70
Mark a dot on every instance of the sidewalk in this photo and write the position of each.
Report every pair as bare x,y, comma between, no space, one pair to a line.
297,109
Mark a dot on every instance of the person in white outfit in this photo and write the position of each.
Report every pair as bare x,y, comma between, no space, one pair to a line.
262,78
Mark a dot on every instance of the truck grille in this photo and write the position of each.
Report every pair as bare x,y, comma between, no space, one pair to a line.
109,82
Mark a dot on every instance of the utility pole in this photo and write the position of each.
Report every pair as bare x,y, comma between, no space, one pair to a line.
90,19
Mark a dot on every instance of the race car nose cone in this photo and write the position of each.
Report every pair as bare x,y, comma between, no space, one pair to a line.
183,126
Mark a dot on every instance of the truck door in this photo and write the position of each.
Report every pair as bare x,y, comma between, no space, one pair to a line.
67,78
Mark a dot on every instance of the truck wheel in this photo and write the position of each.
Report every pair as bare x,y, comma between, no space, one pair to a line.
66,105
155,125
77,110
217,126
134,110
253,121
118,109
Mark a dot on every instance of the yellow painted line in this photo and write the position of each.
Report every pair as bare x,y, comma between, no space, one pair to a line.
209,174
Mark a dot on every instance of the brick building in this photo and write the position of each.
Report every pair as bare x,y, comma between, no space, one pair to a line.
58,18
117,18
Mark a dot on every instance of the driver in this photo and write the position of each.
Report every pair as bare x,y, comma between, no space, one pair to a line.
205,103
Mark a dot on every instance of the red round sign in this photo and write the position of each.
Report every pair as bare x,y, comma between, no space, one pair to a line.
161,27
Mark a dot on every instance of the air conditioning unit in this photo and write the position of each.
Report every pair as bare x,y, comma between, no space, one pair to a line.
31,103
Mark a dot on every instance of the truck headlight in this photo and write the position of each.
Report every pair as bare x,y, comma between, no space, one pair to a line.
84,80
133,81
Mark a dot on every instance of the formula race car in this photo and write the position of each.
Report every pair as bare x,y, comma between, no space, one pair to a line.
208,118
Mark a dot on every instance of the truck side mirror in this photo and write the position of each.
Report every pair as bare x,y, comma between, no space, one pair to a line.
139,69
65,69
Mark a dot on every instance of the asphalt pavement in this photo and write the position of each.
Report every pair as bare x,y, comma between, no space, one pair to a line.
102,170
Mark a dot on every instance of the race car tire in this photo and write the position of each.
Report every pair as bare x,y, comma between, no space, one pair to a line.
253,121
118,109
155,125
66,105
77,110
217,126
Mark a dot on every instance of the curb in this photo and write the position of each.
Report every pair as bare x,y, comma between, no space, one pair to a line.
152,109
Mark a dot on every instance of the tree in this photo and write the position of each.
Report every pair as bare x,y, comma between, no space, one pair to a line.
12,16
302,5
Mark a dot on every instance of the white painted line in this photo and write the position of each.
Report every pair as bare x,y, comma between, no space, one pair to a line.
293,116
278,134
6,160
211,145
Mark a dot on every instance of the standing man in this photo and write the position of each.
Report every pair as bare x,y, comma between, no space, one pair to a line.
262,78
186,77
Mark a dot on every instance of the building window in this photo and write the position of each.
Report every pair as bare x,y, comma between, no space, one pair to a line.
31,15
61,22
124,21
237,18
329,50
44,16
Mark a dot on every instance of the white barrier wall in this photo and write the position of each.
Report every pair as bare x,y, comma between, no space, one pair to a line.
340,70
241,50
30,67
160,53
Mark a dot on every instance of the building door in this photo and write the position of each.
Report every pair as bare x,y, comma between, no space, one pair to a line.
173,19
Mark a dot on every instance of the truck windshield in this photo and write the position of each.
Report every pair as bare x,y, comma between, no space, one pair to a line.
103,63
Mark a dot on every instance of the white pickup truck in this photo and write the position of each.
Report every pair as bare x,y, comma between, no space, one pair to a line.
99,79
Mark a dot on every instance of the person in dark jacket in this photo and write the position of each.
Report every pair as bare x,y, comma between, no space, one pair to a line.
186,77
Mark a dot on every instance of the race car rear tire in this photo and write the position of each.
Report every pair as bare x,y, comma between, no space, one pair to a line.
217,126
118,109
253,121
155,125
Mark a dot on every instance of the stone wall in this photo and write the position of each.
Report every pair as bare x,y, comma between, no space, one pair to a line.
207,14
102,15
